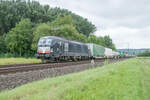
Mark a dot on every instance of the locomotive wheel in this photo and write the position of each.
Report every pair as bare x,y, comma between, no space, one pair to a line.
57,60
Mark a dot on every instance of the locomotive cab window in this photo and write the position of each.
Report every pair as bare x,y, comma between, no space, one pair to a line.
44,41
48,41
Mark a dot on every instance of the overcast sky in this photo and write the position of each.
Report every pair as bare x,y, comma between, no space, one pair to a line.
127,22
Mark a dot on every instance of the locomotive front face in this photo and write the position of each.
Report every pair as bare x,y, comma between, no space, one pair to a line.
44,46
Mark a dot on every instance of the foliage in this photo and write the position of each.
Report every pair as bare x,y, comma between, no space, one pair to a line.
145,53
108,42
2,45
59,21
92,39
13,11
19,38
83,26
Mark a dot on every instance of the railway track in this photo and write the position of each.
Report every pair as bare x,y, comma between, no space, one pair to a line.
29,67
8,69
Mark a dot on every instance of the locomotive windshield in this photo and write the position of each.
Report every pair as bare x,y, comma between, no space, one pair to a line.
45,41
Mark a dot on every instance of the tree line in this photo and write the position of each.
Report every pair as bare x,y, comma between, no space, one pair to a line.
145,53
22,23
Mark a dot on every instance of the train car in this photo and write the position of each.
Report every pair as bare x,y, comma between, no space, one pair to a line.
96,51
108,53
54,48
121,54
116,54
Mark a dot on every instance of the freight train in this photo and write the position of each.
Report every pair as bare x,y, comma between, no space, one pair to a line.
52,48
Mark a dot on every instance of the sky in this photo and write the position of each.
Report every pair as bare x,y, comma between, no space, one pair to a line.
127,22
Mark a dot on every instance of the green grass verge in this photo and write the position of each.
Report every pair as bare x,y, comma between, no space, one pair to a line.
8,61
143,57
126,80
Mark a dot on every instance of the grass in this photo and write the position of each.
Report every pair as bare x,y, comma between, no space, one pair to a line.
126,80
8,61
143,57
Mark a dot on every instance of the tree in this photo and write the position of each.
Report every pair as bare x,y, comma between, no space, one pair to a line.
85,27
100,41
13,11
3,48
108,42
92,39
96,40
145,53
63,21
19,39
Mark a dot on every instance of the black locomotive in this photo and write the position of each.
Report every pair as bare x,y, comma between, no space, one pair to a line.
54,48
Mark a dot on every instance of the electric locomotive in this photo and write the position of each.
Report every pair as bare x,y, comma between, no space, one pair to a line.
52,48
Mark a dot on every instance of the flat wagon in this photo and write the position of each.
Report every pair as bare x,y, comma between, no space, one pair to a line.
55,48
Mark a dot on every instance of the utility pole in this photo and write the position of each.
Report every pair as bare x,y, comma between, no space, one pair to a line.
128,47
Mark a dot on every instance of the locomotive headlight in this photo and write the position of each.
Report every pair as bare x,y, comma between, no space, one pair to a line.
44,49
40,50
47,50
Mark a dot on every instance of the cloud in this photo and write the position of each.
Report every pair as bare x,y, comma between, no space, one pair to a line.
124,37
126,21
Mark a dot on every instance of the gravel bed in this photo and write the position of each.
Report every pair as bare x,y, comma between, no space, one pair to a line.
11,81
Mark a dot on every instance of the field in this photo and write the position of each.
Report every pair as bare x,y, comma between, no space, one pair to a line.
7,61
126,80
